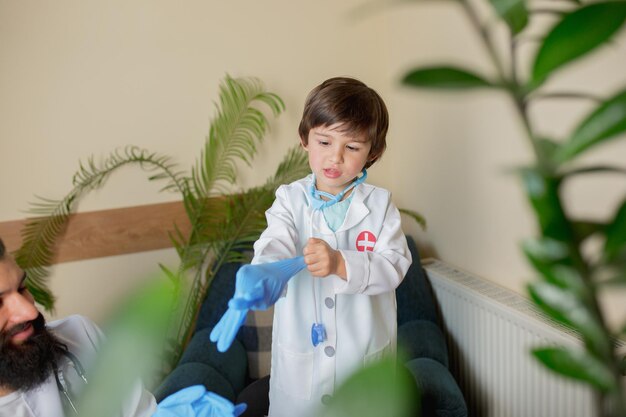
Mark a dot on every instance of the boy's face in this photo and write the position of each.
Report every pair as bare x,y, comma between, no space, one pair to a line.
335,158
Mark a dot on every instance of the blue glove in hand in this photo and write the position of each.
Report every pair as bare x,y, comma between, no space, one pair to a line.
196,401
257,287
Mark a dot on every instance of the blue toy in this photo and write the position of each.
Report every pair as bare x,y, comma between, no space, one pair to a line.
257,287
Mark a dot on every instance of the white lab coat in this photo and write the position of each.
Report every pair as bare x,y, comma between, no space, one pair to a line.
82,338
359,314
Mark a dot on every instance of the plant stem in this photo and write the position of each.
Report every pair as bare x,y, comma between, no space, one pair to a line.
514,44
565,95
552,12
512,86
475,21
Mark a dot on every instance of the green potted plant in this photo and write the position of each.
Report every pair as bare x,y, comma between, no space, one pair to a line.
570,278
223,224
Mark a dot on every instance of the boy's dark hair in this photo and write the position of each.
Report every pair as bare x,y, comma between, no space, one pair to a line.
2,249
351,102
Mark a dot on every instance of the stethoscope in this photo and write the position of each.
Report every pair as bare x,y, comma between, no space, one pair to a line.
61,381
318,331
316,195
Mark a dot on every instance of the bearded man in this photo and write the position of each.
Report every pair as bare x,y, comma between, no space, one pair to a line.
41,366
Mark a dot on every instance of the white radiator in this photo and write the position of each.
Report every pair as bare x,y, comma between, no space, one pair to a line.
490,331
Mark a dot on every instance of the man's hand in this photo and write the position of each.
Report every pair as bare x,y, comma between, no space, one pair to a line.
322,260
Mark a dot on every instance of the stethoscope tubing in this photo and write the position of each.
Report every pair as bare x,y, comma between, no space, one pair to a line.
60,377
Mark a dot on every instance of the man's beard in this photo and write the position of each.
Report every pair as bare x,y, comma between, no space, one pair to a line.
27,365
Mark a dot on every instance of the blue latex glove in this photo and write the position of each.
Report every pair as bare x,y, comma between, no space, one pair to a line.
196,401
257,287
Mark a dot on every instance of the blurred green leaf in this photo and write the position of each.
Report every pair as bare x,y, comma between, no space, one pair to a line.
376,390
444,77
567,277
513,12
548,148
615,244
564,306
132,351
576,34
545,250
415,216
584,229
606,122
594,170
577,364
551,258
543,192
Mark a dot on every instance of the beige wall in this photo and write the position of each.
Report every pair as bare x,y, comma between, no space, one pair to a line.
85,77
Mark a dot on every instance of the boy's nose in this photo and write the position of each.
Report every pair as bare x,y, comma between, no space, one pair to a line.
337,155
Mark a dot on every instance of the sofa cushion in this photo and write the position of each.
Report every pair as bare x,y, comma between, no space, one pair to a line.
193,373
256,337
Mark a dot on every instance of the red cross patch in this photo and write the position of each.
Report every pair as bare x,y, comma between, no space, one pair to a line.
365,241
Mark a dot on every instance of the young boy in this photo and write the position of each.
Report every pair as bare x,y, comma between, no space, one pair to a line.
340,312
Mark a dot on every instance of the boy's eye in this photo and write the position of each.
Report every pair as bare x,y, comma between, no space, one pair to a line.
352,148
323,142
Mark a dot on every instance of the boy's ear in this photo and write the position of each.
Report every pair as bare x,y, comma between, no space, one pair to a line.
372,158
304,146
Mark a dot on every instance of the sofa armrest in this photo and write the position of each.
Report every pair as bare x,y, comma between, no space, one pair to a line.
440,395
422,339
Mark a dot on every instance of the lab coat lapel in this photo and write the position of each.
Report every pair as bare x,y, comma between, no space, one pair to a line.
357,210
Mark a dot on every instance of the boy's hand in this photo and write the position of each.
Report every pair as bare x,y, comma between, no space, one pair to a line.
322,260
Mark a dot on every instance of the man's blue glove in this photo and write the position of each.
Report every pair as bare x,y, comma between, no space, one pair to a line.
257,287
196,401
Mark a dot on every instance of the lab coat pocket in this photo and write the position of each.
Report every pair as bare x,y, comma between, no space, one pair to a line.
294,372
377,354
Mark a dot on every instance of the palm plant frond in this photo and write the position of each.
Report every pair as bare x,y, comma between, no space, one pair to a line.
234,134
246,211
419,219
92,175
40,233
39,236
236,129
295,165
